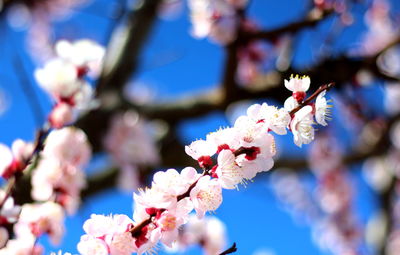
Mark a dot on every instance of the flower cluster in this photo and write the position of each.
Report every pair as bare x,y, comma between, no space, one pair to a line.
216,19
64,78
37,219
209,233
106,235
228,157
58,154
59,176
337,230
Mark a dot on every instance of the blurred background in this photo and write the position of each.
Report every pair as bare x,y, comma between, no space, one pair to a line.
170,85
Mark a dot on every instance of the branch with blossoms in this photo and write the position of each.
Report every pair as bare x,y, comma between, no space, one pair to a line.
56,159
229,157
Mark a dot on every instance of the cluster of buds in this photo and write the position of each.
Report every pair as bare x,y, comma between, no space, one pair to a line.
216,19
228,157
64,79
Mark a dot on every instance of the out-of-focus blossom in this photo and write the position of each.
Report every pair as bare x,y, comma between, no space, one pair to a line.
208,232
61,115
22,246
38,219
63,78
325,155
16,159
378,172
130,142
59,174
69,145
170,9
107,235
216,19
381,30
131,145
82,53
59,77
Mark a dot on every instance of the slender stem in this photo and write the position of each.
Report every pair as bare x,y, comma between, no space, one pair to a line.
136,229
322,88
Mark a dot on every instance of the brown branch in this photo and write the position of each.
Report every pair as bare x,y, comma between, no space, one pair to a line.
126,43
321,89
232,249
15,179
293,27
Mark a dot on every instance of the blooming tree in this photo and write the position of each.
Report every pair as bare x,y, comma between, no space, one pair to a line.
94,109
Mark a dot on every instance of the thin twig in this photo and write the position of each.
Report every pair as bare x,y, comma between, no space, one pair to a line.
232,249
321,89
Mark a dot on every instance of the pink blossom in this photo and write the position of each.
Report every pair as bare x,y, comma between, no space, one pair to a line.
53,179
69,145
80,52
14,160
215,19
290,104
61,115
298,84
225,136
151,198
322,111
59,78
301,126
202,150
228,172
89,245
170,220
257,158
107,235
171,182
206,195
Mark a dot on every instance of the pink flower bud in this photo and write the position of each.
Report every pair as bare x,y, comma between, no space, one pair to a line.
61,115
